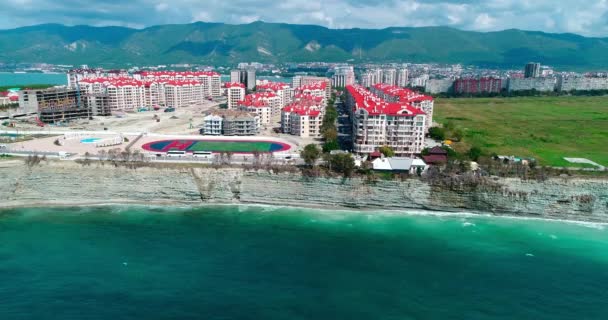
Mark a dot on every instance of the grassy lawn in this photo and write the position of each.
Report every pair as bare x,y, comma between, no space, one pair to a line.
546,128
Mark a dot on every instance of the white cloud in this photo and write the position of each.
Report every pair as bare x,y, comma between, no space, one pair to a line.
588,17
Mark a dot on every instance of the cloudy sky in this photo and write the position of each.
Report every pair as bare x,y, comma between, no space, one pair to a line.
587,17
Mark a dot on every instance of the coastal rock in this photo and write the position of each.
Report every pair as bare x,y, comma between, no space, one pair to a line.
68,183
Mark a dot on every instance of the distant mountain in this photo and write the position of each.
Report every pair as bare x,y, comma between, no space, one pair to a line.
220,44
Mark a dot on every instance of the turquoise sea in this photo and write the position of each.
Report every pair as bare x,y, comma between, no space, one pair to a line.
237,262
13,79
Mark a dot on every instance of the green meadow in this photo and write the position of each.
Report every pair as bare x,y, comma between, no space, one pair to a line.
546,128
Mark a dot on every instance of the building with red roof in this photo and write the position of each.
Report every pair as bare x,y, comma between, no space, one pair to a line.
264,104
235,92
377,122
304,116
393,93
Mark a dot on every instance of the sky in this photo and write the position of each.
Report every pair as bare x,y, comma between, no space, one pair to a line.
585,17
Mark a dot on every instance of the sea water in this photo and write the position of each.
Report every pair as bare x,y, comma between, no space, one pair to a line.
236,262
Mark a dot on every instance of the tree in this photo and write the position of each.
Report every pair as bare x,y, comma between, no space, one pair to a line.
437,133
330,145
387,151
330,134
310,154
342,163
474,153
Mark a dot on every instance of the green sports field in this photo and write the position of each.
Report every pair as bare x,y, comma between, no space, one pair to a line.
546,128
232,146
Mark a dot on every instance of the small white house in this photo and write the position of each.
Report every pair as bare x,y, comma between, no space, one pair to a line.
399,164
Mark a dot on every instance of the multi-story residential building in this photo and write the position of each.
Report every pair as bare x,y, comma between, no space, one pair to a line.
566,83
367,79
434,86
210,80
251,79
476,86
377,123
309,80
282,90
402,95
313,89
419,81
538,84
54,104
303,118
264,104
402,77
235,76
183,93
235,92
98,104
389,76
532,70
212,125
241,124
230,123
343,76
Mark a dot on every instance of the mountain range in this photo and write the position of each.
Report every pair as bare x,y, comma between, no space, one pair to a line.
223,44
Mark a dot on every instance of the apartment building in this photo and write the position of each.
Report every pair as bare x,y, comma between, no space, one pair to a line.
565,83
181,93
377,122
230,123
343,76
477,85
300,81
402,95
313,90
235,92
280,89
210,80
538,84
303,118
212,125
402,77
263,104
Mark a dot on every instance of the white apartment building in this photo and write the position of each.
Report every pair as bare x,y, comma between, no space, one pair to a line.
265,105
280,89
302,119
235,92
183,93
212,125
402,95
389,76
300,81
126,95
210,80
402,77
581,83
377,122
538,84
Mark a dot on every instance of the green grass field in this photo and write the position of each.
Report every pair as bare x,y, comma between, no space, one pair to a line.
546,128
232,146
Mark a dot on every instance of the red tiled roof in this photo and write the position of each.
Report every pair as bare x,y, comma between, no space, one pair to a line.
435,158
234,85
272,86
374,105
403,94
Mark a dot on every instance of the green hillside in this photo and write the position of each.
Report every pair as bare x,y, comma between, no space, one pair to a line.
218,43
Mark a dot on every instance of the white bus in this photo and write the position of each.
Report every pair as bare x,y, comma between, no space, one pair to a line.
176,153
202,154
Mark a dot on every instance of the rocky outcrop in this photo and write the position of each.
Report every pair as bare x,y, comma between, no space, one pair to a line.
69,183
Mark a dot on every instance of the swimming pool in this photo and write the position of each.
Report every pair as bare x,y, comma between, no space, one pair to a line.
90,140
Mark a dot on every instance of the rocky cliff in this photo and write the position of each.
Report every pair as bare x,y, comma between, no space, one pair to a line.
68,183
